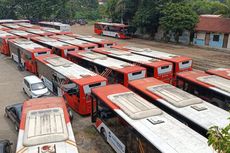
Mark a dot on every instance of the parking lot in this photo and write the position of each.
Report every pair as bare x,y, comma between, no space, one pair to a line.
87,138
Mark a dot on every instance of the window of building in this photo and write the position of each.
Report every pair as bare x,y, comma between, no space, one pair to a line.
216,37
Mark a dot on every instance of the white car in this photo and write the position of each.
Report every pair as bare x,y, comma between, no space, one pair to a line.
34,87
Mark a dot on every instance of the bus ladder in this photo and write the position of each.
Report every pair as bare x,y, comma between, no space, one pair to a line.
140,145
106,72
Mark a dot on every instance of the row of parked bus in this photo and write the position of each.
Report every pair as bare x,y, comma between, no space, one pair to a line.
134,95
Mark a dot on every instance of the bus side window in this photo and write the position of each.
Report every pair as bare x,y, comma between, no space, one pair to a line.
104,111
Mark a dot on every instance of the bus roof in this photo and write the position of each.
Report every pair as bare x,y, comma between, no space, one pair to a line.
91,39
113,24
28,25
45,125
73,41
22,33
213,82
105,61
52,42
185,104
55,31
42,103
3,28
12,26
13,21
39,32
128,56
163,131
53,23
29,45
154,54
222,72
70,70
4,34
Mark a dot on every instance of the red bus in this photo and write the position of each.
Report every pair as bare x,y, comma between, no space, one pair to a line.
58,47
29,25
39,32
45,127
116,30
131,124
211,88
73,82
100,42
13,26
185,107
83,45
24,51
156,68
114,70
222,72
55,31
2,28
4,46
22,34
180,63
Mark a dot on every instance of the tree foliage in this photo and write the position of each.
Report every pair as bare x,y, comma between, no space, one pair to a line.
219,139
49,9
177,17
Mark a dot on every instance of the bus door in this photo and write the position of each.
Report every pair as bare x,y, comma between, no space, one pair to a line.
20,64
87,95
72,95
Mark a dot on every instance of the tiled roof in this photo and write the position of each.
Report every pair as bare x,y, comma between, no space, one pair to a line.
215,23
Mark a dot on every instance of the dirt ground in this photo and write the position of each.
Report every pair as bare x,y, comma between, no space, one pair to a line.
203,59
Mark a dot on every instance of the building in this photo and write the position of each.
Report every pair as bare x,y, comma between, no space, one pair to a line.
213,31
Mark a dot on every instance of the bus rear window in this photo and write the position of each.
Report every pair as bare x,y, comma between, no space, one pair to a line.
42,53
87,88
185,64
136,75
72,49
164,69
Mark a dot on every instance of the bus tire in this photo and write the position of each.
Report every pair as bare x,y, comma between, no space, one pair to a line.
116,36
103,133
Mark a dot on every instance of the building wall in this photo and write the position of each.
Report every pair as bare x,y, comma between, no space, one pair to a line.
228,46
219,43
200,39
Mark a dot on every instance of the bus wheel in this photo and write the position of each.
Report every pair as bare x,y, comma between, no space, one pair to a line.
116,36
103,133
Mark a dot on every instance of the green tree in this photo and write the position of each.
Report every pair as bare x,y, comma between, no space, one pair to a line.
178,17
223,8
219,139
147,16
204,6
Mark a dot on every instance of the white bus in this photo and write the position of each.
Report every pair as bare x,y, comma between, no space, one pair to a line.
131,124
45,127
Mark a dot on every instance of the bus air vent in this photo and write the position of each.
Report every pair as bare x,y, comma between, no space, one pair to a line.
155,122
199,108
